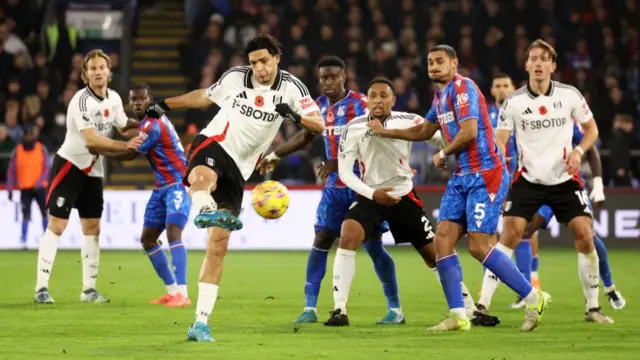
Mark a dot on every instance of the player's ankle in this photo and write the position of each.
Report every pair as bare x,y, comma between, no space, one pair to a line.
533,297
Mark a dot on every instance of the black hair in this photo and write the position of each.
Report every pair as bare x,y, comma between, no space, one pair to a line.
381,80
451,52
140,86
501,76
263,41
332,61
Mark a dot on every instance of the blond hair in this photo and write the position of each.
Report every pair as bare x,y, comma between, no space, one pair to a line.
94,54
541,44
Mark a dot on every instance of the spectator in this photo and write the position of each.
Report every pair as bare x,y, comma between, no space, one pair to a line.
61,42
623,140
6,147
11,121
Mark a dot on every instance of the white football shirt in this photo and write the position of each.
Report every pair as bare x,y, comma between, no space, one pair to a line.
543,126
384,162
247,121
87,110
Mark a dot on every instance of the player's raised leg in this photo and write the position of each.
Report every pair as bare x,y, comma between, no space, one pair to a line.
203,182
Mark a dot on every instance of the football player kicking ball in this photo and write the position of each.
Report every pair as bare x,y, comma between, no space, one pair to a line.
338,106
169,205
474,195
385,193
253,100
541,221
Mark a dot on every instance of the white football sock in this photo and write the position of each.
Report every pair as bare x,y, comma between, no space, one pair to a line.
436,274
182,289
344,270
203,199
46,256
490,284
533,297
207,296
469,305
462,313
589,276
90,261
172,289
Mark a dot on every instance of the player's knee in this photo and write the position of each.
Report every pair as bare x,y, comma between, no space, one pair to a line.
582,235
90,226
57,225
202,178
217,245
26,216
323,240
445,239
174,233
148,242
351,235
478,244
428,254
512,231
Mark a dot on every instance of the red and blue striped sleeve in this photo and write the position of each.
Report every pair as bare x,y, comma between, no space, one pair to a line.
467,101
151,133
432,115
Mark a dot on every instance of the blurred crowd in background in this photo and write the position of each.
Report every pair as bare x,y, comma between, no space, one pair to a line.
597,41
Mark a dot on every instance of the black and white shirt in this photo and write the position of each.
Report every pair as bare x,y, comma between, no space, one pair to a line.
384,162
247,122
543,126
87,110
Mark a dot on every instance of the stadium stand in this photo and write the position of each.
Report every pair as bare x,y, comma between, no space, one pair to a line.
182,45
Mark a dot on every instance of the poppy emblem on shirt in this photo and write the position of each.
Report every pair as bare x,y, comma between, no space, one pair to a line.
259,101
542,110
330,116
106,112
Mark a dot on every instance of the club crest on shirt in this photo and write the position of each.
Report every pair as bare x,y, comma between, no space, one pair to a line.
341,111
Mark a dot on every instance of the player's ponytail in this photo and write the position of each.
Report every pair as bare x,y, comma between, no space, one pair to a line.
93,54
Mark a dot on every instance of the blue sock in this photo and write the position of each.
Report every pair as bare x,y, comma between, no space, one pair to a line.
45,223
386,271
179,261
605,270
524,257
316,268
501,265
535,264
450,273
161,264
23,233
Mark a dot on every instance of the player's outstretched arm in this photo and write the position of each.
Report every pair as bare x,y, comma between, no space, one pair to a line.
102,143
130,130
422,132
313,122
195,99
122,156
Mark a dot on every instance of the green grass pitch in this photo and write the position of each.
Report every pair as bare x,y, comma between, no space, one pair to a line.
262,292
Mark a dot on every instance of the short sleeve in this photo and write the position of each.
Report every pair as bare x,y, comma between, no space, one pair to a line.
432,115
348,143
220,90
506,117
467,101
150,132
121,117
80,116
300,100
580,110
